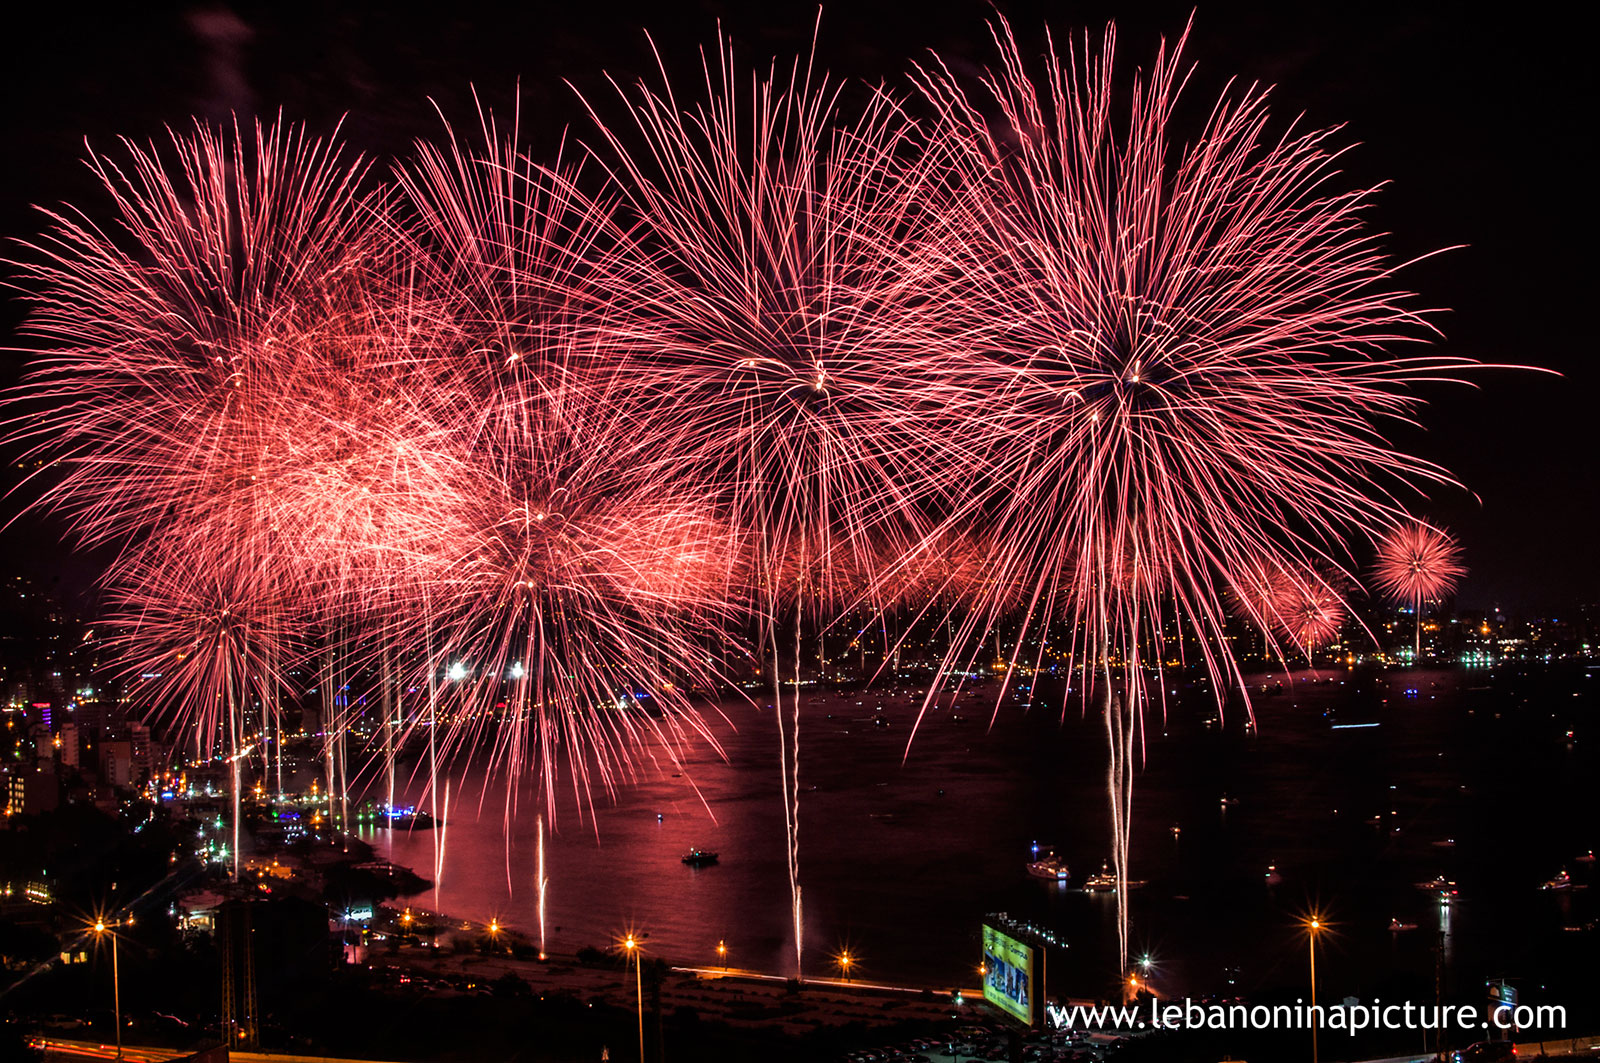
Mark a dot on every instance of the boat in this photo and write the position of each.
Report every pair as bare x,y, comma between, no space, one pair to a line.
1445,843
1439,883
699,857
400,817
1049,866
1586,858
1229,802
1106,882
1273,878
1562,881
1397,927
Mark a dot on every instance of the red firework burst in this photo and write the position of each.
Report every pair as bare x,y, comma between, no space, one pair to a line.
751,297
165,332
1418,563
1305,607
1174,351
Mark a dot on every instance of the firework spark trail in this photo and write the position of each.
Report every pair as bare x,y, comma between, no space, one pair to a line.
1417,563
542,881
1175,357
751,306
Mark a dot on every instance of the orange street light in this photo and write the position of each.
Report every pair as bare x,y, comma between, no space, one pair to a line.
1314,925
632,948
101,928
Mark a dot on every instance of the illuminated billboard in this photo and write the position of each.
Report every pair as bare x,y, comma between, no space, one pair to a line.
1008,975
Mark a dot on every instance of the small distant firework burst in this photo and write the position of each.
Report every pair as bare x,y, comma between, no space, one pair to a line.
514,446
1307,607
1418,563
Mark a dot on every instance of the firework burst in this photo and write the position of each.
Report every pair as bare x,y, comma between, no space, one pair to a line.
1418,563
751,296
1174,352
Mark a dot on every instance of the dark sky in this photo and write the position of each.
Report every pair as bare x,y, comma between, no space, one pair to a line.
1480,124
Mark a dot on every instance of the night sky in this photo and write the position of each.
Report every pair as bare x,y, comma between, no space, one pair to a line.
1476,122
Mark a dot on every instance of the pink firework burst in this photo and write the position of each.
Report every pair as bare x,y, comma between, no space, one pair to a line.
1313,611
1175,348
566,588
1307,606
1418,563
164,332
752,297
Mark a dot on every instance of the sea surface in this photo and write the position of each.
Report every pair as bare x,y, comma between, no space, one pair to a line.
1484,776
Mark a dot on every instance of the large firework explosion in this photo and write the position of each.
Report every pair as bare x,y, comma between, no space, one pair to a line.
1175,352
505,446
753,309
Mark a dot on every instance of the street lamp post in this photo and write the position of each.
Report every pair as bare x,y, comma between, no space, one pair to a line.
634,950
844,964
722,953
101,927
1311,940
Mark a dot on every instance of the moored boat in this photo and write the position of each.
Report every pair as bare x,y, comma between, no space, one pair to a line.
1049,866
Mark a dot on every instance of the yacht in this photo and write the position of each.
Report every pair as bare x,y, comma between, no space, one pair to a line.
1049,866
1106,882
1562,881
699,857
401,817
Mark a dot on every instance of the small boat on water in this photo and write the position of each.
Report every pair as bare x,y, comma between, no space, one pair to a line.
1397,927
1440,883
1272,877
1106,882
1586,858
1562,881
699,857
1049,866
399,817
